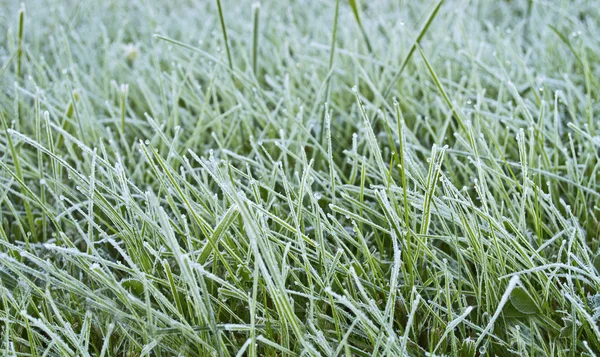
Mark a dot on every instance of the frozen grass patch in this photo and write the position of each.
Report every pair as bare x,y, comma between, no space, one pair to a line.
325,178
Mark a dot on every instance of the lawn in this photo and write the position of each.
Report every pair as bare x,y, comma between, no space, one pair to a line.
300,178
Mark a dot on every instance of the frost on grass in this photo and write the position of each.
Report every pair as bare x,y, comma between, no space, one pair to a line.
322,180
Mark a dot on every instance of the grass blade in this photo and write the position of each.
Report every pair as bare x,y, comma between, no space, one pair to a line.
356,11
422,33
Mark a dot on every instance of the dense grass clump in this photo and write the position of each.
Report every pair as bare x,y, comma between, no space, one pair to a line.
302,178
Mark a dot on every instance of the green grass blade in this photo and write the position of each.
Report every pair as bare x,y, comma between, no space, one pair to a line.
408,55
356,11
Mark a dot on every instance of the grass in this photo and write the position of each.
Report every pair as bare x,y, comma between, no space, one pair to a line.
349,178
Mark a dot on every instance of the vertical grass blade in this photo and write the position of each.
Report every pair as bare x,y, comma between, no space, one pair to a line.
331,58
255,37
20,40
225,38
